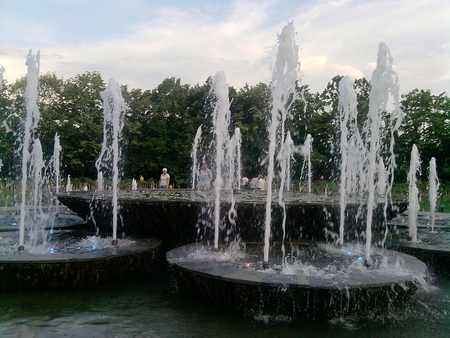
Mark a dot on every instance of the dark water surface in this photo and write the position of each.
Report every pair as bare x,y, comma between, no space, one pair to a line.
149,306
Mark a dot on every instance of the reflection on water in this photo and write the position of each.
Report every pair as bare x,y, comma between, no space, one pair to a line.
148,305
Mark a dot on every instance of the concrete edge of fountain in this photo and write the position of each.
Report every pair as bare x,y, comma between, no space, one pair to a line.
24,270
257,292
437,257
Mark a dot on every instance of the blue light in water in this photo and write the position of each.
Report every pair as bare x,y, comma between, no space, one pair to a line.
361,259
349,252
52,250
14,223
51,231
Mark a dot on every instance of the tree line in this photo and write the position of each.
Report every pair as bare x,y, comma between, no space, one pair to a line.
161,123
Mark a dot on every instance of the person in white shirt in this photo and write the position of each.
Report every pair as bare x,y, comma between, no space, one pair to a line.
205,178
164,179
261,184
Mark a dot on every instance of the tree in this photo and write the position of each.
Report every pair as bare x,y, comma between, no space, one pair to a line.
426,124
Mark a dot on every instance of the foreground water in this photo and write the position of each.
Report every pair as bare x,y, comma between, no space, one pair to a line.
149,306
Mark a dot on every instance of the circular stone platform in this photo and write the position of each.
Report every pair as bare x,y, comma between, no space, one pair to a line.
172,215
317,281
432,247
91,261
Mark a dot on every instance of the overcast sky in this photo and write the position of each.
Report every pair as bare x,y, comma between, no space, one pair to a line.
139,43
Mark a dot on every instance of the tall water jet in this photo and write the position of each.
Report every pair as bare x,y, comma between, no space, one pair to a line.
347,116
306,151
384,82
68,184
195,166
283,91
413,208
221,122
2,70
433,191
56,161
100,186
113,120
30,127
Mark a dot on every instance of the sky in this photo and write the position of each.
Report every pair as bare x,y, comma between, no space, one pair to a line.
140,43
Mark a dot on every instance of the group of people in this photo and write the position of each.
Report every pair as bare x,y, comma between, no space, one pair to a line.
256,183
205,178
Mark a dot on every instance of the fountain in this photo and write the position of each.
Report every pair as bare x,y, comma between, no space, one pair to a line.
298,277
422,234
47,256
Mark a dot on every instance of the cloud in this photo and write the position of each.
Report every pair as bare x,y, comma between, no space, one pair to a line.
195,41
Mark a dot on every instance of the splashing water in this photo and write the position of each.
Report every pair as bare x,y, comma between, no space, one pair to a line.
413,207
433,191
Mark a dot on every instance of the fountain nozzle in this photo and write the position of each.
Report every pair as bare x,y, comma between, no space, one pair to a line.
266,265
114,242
21,248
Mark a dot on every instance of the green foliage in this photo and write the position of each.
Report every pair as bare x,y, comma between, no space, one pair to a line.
160,126
426,124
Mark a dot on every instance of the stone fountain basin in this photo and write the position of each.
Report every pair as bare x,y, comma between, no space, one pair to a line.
27,270
254,291
171,215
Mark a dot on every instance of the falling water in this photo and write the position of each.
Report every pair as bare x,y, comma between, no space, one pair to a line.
283,89
31,122
113,119
195,166
384,82
413,207
134,184
433,191
221,121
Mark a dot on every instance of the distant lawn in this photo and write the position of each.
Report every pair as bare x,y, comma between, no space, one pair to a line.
6,198
426,206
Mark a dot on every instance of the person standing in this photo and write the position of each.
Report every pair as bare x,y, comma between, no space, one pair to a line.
164,179
261,184
205,178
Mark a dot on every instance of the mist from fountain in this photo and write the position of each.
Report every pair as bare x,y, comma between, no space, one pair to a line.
433,191
413,207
